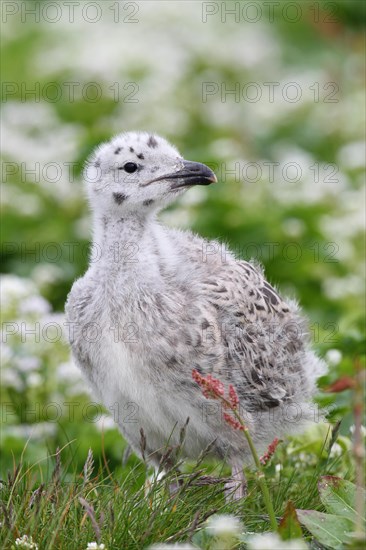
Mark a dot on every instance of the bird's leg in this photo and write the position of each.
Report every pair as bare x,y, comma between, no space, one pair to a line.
163,463
174,486
236,488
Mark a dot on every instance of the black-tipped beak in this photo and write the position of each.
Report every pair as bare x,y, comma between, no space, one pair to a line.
192,173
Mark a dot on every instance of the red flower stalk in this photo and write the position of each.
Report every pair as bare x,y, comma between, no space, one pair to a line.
234,423
211,387
214,389
233,397
270,451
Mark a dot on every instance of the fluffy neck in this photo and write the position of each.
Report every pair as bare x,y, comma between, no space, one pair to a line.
121,243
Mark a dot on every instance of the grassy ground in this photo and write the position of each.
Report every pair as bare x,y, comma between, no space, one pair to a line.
137,509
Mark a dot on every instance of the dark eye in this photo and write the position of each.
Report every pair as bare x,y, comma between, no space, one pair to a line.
130,167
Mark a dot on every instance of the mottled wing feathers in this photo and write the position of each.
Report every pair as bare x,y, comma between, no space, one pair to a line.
243,290
261,344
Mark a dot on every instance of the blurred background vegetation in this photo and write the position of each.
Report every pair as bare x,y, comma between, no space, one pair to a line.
288,148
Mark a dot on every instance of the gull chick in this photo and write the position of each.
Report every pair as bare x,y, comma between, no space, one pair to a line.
156,303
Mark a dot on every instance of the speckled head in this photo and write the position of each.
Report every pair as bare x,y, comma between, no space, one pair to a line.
140,172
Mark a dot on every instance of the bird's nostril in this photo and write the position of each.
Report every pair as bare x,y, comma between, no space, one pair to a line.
194,167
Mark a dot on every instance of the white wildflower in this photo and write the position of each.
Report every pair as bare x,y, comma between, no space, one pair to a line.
34,379
95,546
293,227
14,289
224,525
11,379
34,304
105,422
47,274
19,122
271,541
341,287
38,430
352,155
26,542
68,372
27,364
336,450
30,205
176,546
333,357
6,352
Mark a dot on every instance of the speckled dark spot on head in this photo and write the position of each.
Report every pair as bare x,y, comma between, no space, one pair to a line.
132,150
119,197
154,169
118,150
259,307
140,156
205,324
151,142
148,202
97,163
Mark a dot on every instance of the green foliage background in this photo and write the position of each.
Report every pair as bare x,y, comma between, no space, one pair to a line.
306,230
